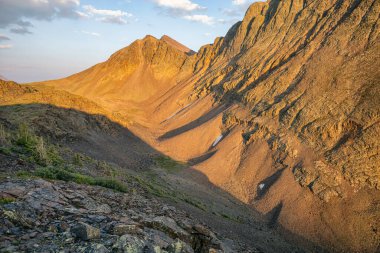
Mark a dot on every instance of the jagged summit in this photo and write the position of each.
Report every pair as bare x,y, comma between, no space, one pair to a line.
177,45
168,40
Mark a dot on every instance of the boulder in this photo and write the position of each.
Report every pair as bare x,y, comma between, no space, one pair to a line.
85,232
131,244
169,226
106,209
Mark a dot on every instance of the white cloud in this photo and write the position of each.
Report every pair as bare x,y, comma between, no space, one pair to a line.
239,2
115,13
91,33
107,16
181,5
204,19
14,12
5,46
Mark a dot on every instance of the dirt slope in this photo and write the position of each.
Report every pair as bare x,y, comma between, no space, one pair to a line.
283,112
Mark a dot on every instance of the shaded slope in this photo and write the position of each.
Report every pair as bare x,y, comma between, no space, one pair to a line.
297,82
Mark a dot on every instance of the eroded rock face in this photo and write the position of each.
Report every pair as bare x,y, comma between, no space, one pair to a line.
65,216
310,67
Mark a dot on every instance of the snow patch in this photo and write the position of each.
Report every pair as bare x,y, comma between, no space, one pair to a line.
261,186
220,137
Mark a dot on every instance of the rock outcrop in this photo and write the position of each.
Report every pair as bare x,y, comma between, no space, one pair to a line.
41,216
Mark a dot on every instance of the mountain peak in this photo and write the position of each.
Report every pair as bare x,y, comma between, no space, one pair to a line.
172,42
149,37
3,78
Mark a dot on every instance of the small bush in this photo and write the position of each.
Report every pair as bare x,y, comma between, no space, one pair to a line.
54,157
35,147
5,150
24,174
25,137
48,173
40,152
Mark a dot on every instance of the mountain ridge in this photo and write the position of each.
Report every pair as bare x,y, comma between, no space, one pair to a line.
293,91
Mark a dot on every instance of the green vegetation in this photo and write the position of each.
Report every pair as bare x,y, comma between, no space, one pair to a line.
153,187
194,202
68,175
71,167
4,201
168,164
106,169
29,146
78,160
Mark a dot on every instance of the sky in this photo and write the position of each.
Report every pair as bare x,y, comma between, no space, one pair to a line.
51,39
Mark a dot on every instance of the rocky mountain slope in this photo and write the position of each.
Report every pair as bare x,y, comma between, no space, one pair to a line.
49,217
283,113
50,146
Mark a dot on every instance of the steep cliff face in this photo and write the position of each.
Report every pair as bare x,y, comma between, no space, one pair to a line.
283,112
312,68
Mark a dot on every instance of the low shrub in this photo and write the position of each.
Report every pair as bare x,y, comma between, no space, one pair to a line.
111,184
39,151
25,137
54,173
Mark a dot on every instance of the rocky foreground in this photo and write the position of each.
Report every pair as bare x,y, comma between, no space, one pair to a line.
41,216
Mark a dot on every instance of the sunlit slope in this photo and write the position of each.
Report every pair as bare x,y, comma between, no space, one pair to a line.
292,95
135,73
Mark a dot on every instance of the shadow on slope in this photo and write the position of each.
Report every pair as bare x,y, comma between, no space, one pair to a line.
101,138
199,121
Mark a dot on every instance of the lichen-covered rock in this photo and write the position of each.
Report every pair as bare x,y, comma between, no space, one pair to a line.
122,229
167,225
85,232
96,248
131,244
